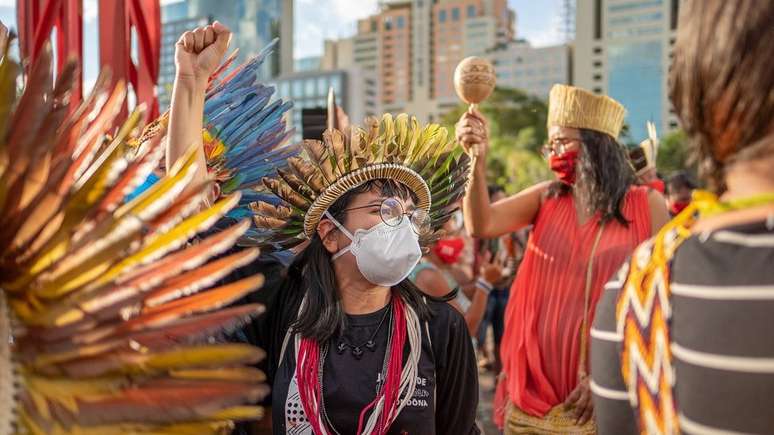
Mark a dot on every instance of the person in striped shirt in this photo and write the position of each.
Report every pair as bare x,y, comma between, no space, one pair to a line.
682,340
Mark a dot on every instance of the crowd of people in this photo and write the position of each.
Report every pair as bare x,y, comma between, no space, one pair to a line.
618,302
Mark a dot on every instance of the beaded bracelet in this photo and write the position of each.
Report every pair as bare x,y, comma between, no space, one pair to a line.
484,285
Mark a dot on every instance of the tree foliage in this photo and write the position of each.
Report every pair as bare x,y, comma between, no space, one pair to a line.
674,154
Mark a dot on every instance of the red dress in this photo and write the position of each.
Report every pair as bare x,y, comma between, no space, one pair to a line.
541,344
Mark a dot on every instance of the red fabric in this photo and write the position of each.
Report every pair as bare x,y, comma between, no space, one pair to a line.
658,184
541,344
449,250
677,207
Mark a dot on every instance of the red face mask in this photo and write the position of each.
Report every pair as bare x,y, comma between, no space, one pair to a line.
449,250
564,166
657,184
677,207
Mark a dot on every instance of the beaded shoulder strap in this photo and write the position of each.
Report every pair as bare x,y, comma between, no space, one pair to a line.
642,315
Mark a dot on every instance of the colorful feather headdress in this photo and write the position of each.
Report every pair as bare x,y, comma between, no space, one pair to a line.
108,322
245,136
425,159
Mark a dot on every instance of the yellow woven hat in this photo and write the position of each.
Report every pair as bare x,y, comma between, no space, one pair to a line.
573,107
426,159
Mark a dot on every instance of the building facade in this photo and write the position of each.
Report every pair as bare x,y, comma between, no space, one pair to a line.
623,48
411,48
175,21
309,89
531,69
254,23
311,63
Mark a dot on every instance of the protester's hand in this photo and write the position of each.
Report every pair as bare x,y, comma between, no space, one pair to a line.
473,130
580,401
198,53
491,271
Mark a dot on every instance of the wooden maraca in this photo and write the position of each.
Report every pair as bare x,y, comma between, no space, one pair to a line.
474,81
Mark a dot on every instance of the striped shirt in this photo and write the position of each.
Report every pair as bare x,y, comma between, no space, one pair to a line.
722,337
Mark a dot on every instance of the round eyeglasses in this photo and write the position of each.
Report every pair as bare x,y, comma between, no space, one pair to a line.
392,212
558,146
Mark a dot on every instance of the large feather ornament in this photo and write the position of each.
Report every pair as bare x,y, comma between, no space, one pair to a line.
109,321
245,134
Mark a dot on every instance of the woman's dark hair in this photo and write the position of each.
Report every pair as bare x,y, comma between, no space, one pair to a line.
680,180
721,82
494,189
323,315
603,176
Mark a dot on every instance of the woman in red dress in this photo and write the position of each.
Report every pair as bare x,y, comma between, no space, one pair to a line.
586,223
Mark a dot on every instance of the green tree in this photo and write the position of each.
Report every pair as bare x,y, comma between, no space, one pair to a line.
517,124
673,153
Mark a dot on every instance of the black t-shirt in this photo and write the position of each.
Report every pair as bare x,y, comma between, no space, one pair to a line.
446,395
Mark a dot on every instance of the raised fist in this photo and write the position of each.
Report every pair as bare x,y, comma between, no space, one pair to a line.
198,53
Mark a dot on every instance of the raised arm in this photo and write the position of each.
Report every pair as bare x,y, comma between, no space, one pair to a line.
483,219
198,54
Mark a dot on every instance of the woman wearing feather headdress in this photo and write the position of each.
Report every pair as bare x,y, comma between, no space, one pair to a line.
353,345
585,224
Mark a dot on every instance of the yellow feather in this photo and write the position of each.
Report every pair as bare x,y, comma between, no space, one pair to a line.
204,356
230,374
173,238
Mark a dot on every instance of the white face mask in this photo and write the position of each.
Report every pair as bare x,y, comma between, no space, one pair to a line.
457,220
385,255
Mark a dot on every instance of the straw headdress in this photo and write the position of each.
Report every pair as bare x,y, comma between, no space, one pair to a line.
578,108
425,159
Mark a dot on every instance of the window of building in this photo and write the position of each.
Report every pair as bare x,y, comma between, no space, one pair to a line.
471,11
597,50
322,86
388,23
597,77
598,19
674,13
401,22
597,64
597,90
455,14
373,26
336,84
442,15
309,87
298,89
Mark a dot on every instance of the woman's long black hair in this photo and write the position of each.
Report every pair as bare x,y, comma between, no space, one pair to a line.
603,176
312,275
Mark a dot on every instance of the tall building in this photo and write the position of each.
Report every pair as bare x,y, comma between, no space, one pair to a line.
254,23
533,70
309,89
411,48
623,48
310,63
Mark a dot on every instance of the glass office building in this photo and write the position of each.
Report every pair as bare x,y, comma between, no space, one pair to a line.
636,32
